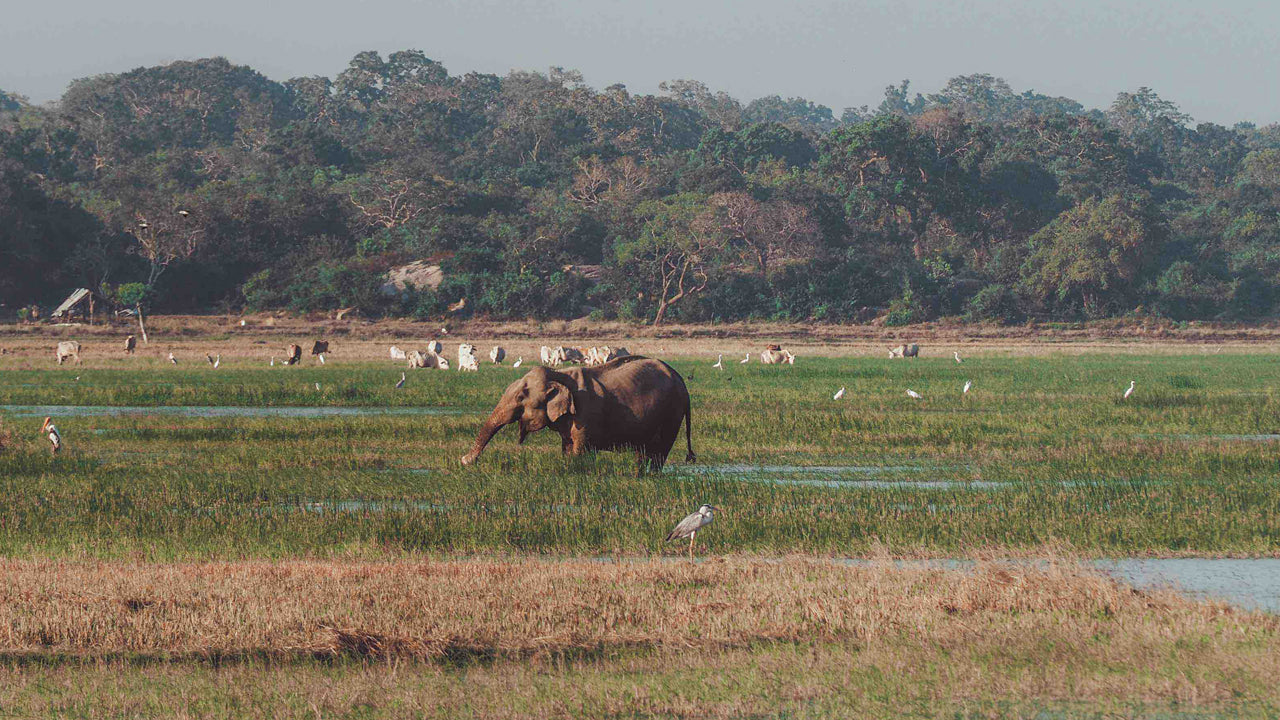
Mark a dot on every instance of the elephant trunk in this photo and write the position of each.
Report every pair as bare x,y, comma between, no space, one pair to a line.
496,422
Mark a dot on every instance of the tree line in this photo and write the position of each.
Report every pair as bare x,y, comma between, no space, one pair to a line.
203,185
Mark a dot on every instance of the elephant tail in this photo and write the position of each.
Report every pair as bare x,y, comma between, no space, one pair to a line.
688,432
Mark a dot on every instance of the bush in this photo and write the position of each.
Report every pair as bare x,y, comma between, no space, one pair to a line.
994,303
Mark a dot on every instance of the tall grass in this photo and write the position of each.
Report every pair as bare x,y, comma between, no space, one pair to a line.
1164,472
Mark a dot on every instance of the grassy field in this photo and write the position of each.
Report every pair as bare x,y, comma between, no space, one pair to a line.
538,639
1042,451
279,561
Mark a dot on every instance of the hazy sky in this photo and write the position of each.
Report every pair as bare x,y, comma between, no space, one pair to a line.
1214,59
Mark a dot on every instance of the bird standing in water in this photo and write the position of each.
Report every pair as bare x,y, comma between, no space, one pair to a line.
55,437
689,527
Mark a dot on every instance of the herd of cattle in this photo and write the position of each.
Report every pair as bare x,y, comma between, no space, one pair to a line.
468,359
433,358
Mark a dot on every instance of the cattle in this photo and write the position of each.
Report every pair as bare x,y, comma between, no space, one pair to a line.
775,355
435,347
293,355
497,354
427,360
905,351
467,358
397,353
68,349
320,346
130,343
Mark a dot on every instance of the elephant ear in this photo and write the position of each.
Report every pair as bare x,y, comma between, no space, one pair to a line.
559,402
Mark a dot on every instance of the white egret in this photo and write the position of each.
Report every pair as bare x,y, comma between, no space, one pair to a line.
516,364
321,356
401,383
55,437
273,361
317,386
719,362
689,527
745,360
967,384
956,353
1129,392
173,359
915,394
839,394
217,361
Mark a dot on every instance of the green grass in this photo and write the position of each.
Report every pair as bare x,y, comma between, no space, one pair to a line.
1082,468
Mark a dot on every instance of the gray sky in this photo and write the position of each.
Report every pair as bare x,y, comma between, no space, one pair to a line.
1210,58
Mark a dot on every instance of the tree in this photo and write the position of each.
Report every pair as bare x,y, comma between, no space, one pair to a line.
765,233
675,251
1091,254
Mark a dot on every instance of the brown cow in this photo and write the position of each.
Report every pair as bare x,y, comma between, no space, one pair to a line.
129,344
320,346
293,355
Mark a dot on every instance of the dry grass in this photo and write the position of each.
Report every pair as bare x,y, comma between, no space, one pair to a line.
190,337
724,638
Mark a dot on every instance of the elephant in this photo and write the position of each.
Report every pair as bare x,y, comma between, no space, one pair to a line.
634,403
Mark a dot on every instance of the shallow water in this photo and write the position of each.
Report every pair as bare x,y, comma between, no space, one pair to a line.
220,411
854,476
1251,584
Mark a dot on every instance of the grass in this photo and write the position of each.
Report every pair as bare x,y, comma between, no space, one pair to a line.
1058,459
291,565
536,639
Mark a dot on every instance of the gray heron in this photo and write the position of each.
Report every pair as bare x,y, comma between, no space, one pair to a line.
689,527
55,437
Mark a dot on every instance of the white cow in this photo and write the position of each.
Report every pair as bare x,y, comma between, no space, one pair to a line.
397,353
467,358
68,349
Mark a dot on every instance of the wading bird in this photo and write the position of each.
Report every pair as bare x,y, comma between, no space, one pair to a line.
173,359
915,394
967,384
839,394
217,361
321,356
516,364
745,360
273,361
719,362
208,357
317,386
957,354
1129,392
689,527
401,383
55,437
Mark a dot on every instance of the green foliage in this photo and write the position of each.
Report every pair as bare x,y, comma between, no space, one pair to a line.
994,303
219,187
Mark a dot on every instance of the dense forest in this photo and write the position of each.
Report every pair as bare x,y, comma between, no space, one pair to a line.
205,186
